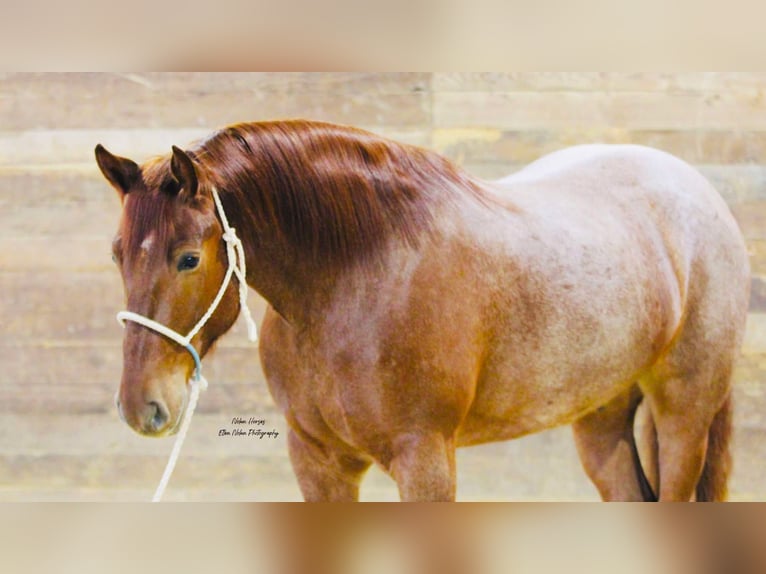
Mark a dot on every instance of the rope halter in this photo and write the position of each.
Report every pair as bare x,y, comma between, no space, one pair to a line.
235,254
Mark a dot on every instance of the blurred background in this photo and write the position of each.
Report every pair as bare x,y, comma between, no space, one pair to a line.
60,346
383,539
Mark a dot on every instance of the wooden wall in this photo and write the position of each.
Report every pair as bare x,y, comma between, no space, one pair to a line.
60,354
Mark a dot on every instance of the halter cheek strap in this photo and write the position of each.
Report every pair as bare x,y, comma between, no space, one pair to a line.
235,254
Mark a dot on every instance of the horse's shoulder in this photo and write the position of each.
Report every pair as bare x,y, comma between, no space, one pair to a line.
276,338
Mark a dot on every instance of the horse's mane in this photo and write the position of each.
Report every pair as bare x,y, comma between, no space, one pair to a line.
333,191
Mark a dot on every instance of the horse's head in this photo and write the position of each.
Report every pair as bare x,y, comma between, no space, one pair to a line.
170,253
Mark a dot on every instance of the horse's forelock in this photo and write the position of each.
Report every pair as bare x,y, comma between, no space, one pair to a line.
150,208
147,213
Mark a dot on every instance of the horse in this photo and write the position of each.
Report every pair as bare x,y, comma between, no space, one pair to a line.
414,308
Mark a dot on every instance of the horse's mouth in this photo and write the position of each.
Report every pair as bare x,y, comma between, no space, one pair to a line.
179,419
176,427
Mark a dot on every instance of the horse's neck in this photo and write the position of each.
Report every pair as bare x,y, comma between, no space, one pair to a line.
289,281
298,286
289,285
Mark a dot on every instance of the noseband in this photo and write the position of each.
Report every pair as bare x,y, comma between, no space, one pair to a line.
235,254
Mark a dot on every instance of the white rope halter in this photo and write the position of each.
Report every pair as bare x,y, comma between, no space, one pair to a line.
236,257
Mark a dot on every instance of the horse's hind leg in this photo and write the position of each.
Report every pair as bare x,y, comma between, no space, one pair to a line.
607,449
684,410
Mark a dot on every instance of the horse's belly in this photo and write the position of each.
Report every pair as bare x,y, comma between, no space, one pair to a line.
504,411
482,427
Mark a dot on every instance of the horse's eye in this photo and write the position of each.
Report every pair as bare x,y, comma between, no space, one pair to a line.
114,258
187,262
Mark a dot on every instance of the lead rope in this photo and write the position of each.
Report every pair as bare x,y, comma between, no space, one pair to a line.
196,386
236,257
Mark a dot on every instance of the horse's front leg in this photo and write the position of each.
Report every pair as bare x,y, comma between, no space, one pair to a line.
424,466
325,475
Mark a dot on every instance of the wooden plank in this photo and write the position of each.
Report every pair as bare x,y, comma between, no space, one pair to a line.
233,360
85,363
61,305
700,146
106,493
758,294
76,146
256,478
755,335
51,188
748,453
757,250
92,84
87,220
502,470
596,81
63,147
737,183
376,487
751,217
632,110
696,146
80,397
144,471
41,434
64,101
749,398
61,253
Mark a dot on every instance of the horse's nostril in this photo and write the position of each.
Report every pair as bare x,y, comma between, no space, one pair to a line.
158,416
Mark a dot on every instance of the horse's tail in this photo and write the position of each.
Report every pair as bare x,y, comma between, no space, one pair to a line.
712,485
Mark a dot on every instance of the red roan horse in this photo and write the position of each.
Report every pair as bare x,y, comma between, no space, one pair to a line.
414,308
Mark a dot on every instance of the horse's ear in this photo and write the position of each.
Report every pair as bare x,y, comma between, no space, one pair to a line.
121,172
183,171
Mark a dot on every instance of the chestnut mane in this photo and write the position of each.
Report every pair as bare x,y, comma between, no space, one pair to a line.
336,193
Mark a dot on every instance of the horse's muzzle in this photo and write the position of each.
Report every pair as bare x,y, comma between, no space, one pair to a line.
152,419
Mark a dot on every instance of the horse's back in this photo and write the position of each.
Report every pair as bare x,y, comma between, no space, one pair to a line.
612,169
630,185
